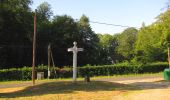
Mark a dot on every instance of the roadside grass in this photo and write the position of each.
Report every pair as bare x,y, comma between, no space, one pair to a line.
92,78
66,90
128,75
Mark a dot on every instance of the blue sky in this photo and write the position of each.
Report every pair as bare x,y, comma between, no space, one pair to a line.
122,12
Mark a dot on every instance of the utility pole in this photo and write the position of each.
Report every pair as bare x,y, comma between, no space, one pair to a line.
34,50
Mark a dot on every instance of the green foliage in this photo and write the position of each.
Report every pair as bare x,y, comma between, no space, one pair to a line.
122,68
148,44
16,25
126,42
15,74
154,67
153,40
102,70
64,73
16,28
44,11
88,40
107,49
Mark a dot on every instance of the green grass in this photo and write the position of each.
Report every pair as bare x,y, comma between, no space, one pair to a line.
128,75
44,80
92,78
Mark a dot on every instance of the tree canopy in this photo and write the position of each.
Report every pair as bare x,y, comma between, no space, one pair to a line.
147,44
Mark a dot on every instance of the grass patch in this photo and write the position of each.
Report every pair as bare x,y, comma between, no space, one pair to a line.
92,78
65,89
58,89
128,75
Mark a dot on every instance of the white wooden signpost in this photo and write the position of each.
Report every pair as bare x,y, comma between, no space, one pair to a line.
75,50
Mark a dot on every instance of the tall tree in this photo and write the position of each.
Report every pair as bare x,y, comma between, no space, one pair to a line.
148,46
107,51
44,14
89,41
163,21
15,27
44,11
126,42
64,32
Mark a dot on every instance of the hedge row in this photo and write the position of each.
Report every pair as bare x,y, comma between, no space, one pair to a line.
120,69
25,73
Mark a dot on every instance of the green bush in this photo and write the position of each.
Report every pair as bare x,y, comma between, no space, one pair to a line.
25,73
154,67
16,74
64,72
121,68
107,70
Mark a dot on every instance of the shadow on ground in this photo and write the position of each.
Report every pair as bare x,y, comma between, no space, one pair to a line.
151,85
65,87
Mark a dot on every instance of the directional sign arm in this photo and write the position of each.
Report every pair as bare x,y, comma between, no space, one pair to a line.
80,49
70,49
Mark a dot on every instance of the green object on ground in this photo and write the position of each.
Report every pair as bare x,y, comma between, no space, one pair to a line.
167,74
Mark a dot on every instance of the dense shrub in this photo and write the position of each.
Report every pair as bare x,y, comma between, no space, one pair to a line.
107,70
122,68
16,74
64,72
154,67
25,73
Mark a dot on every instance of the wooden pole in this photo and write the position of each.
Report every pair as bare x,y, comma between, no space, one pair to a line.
34,50
49,60
53,63
168,57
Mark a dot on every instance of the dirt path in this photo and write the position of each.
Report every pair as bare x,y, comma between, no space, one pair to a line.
142,82
151,94
148,88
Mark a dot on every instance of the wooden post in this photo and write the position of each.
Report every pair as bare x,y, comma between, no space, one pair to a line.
169,57
49,60
34,50
52,59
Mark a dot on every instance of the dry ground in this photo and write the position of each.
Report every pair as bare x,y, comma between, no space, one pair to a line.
149,89
64,90
140,88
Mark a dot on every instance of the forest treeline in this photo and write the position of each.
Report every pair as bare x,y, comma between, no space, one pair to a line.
144,45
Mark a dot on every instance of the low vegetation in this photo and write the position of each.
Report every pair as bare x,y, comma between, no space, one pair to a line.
103,70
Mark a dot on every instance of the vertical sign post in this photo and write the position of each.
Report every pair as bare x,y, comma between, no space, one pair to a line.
75,50
49,59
